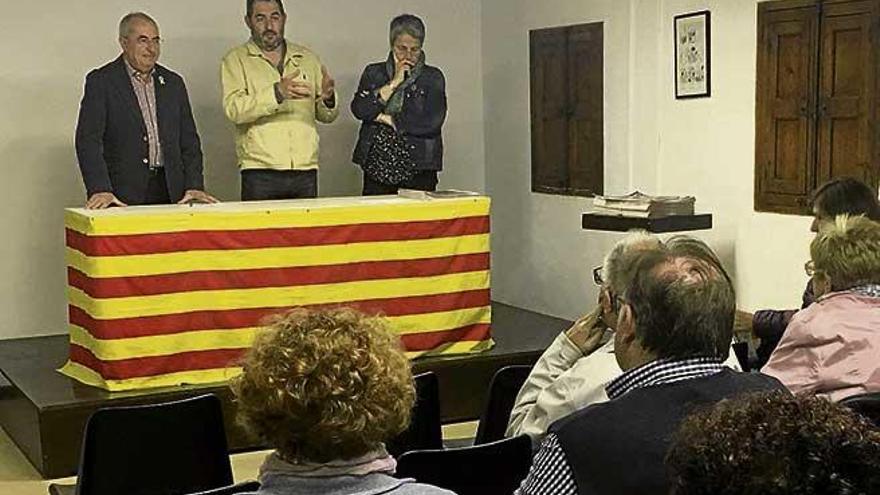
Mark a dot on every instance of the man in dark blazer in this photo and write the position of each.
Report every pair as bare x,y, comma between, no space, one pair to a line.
672,335
136,140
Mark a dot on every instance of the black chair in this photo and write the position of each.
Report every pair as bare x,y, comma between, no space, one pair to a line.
502,395
172,448
867,405
243,487
424,430
487,469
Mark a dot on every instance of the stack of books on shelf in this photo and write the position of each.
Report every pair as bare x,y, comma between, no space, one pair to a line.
639,205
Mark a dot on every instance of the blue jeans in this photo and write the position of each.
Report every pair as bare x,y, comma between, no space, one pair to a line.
258,184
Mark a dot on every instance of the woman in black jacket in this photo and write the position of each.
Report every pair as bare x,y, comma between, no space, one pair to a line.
401,103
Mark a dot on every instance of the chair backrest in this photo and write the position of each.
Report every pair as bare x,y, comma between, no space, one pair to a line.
867,405
741,350
243,487
499,402
171,448
424,430
487,469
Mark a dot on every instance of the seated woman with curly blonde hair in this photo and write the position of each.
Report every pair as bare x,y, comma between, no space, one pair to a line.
326,389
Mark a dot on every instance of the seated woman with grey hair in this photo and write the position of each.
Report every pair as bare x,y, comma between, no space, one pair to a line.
401,103
831,348
326,389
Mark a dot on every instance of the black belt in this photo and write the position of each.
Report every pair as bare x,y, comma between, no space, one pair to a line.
155,171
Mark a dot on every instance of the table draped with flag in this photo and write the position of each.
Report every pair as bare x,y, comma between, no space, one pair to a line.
169,295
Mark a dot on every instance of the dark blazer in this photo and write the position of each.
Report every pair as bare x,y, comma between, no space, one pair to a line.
619,447
111,138
420,121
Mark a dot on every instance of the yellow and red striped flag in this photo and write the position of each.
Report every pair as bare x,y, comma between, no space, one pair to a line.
167,295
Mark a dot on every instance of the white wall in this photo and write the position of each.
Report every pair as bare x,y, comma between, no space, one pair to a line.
704,147
47,51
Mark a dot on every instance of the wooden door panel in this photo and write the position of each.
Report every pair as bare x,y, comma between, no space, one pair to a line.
549,112
846,91
586,120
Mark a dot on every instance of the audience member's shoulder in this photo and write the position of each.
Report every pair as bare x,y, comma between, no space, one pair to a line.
420,489
757,381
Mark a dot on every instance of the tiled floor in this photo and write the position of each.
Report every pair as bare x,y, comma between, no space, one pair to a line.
18,477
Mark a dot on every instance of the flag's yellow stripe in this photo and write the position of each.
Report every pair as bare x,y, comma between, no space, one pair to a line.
270,297
246,259
266,216
218,376
196,377
242,338
162,345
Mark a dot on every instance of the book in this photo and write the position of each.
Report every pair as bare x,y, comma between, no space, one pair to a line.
440,194
638,204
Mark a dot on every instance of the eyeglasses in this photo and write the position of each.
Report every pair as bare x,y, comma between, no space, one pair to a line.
809,268
145,41
597,276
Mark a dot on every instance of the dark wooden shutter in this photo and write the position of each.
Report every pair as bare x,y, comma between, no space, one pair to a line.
586,100
785,107
549,110
847,75
567,70
816,98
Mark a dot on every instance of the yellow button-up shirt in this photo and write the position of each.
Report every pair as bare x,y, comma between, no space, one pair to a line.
268,134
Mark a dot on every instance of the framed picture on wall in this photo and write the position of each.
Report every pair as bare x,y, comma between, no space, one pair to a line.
693,69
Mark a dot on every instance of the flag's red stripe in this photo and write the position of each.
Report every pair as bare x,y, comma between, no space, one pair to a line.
119,245
430,340
274,277
159,365
239,318
123,369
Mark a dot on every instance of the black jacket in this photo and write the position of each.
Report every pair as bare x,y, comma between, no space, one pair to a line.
769,325
111,142
420,121
619,447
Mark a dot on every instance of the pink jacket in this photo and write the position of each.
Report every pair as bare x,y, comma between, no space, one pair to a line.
831,348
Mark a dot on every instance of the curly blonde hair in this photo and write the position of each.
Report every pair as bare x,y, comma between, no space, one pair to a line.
320,385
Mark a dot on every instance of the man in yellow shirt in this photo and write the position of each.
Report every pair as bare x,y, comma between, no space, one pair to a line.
274,91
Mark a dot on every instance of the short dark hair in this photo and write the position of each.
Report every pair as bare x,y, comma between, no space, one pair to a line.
774,443
407,24
683,301
846,195
249,6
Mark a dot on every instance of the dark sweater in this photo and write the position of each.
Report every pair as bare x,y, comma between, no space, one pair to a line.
618,447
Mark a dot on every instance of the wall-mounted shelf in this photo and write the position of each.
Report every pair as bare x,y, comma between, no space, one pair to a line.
672,223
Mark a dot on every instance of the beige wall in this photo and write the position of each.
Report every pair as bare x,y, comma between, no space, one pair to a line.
47,49
704,147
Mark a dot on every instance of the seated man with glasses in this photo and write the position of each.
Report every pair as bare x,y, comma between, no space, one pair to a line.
573,372
831,348
673,332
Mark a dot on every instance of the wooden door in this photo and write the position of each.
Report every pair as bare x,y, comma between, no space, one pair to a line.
786,106
847,73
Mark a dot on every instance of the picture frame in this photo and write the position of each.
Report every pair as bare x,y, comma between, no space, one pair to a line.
693,55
